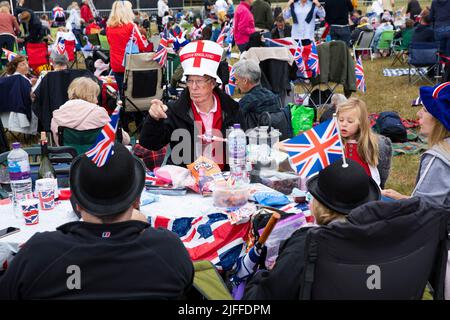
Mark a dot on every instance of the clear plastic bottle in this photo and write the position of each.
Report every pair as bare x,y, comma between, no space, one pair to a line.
237,147
19,174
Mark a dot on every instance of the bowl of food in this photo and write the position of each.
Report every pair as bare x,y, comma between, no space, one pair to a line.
230,196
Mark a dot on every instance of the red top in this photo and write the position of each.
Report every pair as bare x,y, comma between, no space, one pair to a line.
118,38
351,152
85,13
217,125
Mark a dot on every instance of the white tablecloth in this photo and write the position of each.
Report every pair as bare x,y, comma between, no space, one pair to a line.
189,205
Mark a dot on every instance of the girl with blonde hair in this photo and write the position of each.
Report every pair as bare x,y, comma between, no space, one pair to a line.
361,144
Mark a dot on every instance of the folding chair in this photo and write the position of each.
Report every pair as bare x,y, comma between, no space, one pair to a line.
400,47
37,54
80,140
364,43
423,58
142,83
332,74
385,41
71,49
61,158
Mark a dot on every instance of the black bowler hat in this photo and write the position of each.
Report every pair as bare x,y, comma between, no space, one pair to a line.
110,189
343,189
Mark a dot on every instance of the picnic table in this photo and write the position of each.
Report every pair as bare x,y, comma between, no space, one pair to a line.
172,207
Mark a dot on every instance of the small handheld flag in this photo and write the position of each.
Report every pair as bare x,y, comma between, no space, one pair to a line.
360,79
161,54
229,88
61,47
315,149
103,148
9,54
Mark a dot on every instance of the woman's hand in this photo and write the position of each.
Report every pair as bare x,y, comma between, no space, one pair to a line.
393,194
317,3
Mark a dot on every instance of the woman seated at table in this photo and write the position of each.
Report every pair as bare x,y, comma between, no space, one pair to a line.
336,191
81,112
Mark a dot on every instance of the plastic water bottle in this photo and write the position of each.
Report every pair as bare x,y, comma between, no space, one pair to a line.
237,147
19,174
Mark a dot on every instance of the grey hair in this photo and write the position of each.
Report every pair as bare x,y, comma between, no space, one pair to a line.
337,99
248,69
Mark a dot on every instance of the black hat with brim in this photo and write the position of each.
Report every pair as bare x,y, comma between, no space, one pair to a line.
110,189
343,189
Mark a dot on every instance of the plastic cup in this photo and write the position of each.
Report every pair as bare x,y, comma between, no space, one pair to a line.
45,189
30,211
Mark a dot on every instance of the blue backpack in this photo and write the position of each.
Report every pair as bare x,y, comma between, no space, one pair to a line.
390,125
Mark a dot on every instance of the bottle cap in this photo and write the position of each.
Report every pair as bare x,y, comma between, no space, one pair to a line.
236,126
16,145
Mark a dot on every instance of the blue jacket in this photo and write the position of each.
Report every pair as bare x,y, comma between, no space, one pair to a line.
15,95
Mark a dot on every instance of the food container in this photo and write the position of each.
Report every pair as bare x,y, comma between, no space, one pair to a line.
230,196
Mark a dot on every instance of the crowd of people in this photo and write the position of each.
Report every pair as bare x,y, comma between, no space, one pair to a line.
158,265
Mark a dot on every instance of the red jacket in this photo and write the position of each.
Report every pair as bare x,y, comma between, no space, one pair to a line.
85,13
118,38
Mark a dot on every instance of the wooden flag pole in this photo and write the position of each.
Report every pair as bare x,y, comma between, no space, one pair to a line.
344,162
269,227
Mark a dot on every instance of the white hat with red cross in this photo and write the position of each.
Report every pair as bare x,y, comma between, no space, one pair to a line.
201,58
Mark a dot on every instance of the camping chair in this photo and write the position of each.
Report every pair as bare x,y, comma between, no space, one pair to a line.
173,61
333,73
208,284
423,59
364,43
71,52
400,47
385,41
80,140
61,158
142,84
37,54
380,252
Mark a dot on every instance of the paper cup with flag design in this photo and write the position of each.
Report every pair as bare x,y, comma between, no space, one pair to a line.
45,189
30,211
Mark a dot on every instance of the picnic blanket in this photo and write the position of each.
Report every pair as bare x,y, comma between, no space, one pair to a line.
416,144
398,72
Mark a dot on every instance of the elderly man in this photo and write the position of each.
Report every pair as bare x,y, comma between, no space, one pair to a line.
112,254
256,99
202,110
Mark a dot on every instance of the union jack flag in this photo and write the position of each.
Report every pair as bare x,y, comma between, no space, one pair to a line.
289,43
152,180
315,149
307,60
197,32
223,35
359,71
9,54
103,148
61,47
209,237
161,54
178,37
229,88
58,12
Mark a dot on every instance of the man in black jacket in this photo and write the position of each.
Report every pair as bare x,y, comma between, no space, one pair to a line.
111,254
202,112
337,16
